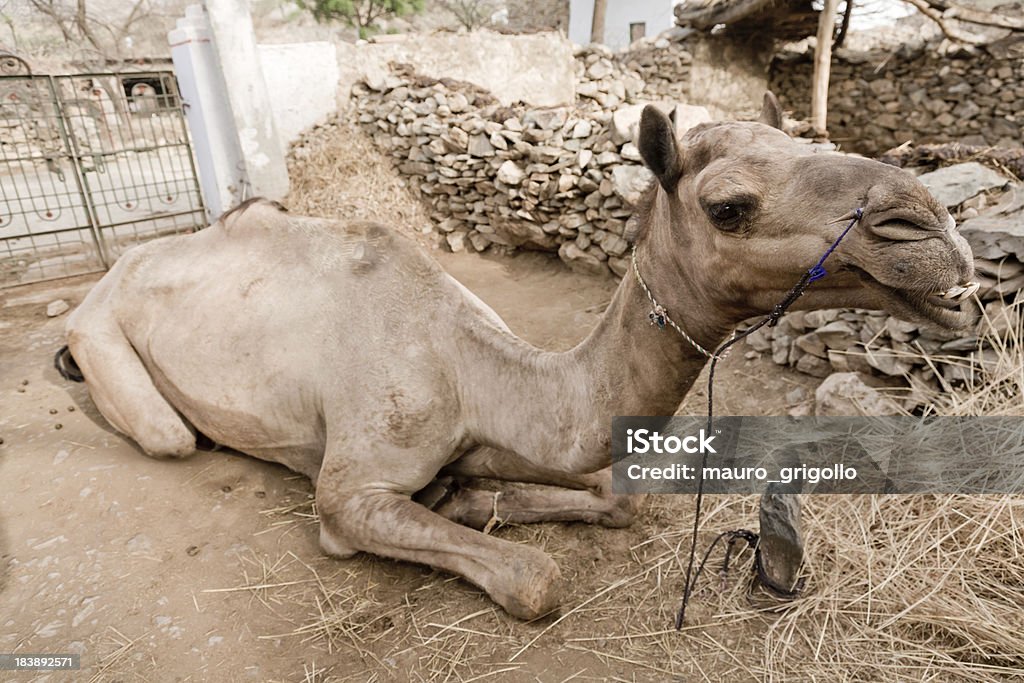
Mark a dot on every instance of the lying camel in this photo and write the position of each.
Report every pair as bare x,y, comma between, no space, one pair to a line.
344,352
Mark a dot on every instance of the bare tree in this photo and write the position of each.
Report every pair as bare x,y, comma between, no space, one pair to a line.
471,14
77,24
9,22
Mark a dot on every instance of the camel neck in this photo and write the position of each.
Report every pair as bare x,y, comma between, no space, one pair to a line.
643,369
555,409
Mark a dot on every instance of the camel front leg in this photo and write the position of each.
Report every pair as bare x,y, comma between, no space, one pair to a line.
565,497
123,391
363,517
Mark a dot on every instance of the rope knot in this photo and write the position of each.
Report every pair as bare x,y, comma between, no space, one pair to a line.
658,316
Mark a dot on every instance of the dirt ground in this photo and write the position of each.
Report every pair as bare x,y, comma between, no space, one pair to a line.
209,568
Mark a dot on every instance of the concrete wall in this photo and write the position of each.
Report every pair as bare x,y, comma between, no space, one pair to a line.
235,43
581,17
302,79
619,14
535,68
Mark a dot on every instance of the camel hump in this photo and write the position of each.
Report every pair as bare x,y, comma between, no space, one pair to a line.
267,209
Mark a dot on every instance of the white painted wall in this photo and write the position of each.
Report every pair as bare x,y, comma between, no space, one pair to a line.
581,18
619,14
537,68
302,81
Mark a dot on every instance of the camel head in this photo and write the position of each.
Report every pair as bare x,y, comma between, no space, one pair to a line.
740,211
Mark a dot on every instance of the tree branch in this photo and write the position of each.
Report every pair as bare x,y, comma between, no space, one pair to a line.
844,27
947,29
981,18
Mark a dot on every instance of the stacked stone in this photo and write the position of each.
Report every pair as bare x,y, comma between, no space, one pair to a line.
555,179
664,66
822,342
602,80
928,93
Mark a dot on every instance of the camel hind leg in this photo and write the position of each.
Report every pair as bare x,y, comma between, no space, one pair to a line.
124,393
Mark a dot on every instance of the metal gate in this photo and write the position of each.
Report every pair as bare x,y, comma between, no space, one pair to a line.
90,164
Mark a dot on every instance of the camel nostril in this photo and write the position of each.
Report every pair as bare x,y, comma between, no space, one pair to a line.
902,267
903,230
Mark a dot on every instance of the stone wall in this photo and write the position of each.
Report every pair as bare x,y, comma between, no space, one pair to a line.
562,179
535,68
924,93
530,16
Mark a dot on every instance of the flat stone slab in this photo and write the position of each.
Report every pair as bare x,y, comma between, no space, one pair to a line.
1010,226
953,185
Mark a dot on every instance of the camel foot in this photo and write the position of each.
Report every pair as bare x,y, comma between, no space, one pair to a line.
537,587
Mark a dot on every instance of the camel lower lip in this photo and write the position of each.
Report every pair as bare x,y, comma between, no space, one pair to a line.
949,313
948,304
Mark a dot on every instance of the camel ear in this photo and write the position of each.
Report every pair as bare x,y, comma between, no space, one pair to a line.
658,147
771,112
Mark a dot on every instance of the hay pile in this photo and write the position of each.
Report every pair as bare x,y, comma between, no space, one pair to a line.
337,172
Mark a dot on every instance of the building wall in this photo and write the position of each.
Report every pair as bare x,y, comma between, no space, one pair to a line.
619,14
299,103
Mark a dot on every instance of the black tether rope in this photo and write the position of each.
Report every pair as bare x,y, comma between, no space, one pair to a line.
813,274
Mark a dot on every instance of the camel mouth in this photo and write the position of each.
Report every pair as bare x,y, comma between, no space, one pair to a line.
953,308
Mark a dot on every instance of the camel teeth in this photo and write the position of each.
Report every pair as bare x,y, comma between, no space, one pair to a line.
969,289
954,292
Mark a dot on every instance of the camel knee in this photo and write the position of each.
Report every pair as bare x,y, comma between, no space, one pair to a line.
333,544
619,510
348,522
170,440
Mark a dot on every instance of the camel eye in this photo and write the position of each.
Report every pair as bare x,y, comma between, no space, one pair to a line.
726,214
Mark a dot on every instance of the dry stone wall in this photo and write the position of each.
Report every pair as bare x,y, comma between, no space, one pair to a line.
923,92
562,179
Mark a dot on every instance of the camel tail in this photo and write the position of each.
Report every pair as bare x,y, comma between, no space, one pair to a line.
66,365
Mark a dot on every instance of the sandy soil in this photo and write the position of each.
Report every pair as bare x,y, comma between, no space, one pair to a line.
209,569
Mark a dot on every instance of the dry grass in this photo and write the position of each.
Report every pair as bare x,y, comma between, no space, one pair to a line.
899,588
337,172
994,383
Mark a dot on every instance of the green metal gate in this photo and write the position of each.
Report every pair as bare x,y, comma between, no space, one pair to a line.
90,164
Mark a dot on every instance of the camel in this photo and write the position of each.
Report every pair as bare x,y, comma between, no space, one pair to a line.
342,351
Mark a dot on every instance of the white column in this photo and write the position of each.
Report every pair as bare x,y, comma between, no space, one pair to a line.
235,42
222,174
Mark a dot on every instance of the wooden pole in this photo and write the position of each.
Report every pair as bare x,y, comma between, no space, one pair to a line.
597,23
822,66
